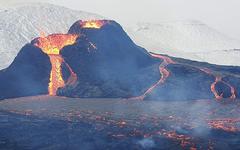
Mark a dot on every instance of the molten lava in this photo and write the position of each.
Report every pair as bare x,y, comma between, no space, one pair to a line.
225,124
51,45
213,89
213,85
97,24
163,71
56,79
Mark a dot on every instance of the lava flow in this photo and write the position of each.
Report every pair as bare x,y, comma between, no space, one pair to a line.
163,71
226,124
213,85
97,24
217,80
51,45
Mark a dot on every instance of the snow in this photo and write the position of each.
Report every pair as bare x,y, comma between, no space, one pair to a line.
20,24
187,39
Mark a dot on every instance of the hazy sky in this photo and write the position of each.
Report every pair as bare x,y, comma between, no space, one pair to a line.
223,15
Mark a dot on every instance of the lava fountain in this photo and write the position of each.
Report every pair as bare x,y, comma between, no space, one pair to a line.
52,45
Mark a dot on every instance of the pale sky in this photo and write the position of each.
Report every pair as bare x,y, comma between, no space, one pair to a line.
223,15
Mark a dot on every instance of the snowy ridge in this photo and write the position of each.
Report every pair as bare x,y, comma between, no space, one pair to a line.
187,39
21,24
186,36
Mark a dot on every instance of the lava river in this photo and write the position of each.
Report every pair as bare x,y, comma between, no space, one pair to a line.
51,45
218,79
163,71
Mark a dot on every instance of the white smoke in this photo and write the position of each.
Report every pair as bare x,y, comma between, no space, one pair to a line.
146,143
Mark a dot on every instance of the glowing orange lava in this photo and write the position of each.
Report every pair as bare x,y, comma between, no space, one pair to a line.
217,96
97,24
213,85
163,71
213,89
226,124
233,90
52,45
185,140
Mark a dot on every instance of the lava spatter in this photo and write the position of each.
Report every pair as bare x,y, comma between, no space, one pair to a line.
163,71
51,45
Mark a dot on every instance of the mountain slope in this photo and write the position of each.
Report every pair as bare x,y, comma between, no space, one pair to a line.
98,59
19,25
187,39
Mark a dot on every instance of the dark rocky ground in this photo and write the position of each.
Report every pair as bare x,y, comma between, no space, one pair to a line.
44,122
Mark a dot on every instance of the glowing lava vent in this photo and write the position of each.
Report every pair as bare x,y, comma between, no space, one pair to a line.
97,24
51,45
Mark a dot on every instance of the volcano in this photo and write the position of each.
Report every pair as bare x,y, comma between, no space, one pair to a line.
98,59
107,62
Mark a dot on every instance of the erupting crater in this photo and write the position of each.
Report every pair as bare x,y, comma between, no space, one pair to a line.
52,45
97,24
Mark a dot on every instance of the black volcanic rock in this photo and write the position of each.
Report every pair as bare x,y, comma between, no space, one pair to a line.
184,83
108,63
27,75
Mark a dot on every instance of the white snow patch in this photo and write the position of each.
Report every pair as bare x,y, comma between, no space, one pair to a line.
187,39
20,24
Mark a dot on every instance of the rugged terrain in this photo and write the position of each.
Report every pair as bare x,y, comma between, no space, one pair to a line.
44,122
98,59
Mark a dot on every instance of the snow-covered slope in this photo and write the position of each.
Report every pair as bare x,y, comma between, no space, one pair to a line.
20,24
187,39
